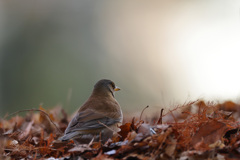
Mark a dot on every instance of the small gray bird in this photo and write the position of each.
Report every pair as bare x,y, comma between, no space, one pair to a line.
99,115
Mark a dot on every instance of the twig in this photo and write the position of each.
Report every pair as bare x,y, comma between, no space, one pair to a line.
132,124
142,112
27,110
228,115
90,143
181,106
109,128
174,117
160,118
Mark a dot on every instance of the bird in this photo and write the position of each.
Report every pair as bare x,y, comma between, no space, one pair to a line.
98,118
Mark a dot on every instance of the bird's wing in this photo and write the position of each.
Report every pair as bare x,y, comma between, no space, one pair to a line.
88,120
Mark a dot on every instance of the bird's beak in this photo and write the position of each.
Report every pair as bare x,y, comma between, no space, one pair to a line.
116,88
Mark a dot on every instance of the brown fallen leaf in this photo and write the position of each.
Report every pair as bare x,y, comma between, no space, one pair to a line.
229,106
170,149
201,131
209,133
201,146
43,119
26,131
125,129
131,135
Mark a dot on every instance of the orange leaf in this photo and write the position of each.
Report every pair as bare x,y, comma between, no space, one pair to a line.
125,129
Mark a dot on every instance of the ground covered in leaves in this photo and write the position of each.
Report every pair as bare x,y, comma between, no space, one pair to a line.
196,130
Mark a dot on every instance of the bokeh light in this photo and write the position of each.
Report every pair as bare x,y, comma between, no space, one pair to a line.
157,52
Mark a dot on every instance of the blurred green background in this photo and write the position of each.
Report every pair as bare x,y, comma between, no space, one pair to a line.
53,52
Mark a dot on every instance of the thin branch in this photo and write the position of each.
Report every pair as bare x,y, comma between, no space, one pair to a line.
181,106
28,110
132,124
174,117
109,128
142,112
227,116
90,143
160,118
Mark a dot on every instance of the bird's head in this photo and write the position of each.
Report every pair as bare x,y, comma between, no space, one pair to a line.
105,87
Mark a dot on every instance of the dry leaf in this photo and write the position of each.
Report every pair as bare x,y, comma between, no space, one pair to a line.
201,130
170,149
210,132
125,129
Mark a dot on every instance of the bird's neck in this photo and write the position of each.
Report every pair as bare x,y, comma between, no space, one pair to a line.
103,94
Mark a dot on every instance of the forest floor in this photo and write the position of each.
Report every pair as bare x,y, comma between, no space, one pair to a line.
195,130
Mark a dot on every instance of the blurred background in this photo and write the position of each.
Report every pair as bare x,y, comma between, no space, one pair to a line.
157,52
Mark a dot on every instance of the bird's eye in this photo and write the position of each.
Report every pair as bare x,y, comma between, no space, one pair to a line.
113,85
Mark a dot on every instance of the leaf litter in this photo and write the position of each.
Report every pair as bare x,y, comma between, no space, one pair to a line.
195,130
